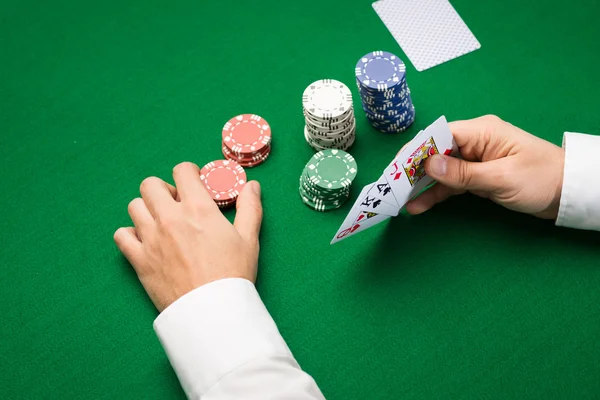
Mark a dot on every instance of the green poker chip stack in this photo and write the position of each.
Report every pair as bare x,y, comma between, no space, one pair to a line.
326,179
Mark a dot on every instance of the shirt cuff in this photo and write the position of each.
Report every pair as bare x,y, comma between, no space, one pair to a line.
214,329
580,197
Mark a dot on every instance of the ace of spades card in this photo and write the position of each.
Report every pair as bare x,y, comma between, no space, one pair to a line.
403,179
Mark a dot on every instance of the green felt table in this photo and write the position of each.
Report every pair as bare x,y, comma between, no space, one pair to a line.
467,301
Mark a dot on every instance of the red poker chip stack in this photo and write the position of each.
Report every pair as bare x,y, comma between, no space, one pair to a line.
224,180
247,140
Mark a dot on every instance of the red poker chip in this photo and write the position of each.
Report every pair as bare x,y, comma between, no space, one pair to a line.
224,179
246,134
247,163
224,205
247,154
252,164
246,157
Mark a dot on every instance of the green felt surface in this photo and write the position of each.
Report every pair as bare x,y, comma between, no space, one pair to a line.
467,301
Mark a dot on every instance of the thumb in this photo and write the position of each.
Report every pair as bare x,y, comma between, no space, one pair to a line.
249,214
460,174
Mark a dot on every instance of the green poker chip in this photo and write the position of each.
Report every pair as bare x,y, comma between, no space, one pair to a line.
311,194
332,169
319,205
326,179
316,191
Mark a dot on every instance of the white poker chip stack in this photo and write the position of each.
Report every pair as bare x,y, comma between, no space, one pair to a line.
329,115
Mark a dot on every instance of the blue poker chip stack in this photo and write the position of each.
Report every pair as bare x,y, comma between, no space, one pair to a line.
385,96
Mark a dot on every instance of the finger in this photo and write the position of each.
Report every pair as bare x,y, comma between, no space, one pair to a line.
189,185
430,198
173,191
156,195
460,174
483,138
129,244
472,130
249,213
139,214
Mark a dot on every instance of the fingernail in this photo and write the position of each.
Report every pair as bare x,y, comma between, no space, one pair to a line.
438,165
255,187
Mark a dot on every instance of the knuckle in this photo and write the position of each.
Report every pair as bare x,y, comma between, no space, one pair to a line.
491,125
167,220
492,119
487,135
256,207
501,177
149,182
200,208
464,174
118,235
184,166
133,204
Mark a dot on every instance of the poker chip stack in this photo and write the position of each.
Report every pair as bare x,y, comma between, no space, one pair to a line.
326,179
329,115
224,180
385,96
246,140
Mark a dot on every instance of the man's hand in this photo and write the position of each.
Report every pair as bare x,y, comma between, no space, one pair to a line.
182,241
501,162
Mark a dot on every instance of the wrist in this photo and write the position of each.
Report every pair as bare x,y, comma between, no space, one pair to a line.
558,185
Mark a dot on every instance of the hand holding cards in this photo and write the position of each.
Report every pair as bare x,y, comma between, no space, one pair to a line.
403,179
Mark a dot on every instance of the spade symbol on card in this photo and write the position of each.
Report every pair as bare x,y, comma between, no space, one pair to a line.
371,199
383,188
371,202
383,199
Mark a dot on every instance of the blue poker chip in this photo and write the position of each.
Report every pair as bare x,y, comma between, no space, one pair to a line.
397,122
402,85
396,88
405,118
380,70
390,101
386,99
384,106
394,129
387,114
384,92
403,124
388,110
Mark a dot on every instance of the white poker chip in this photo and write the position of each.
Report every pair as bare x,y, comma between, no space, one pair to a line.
329,115
327,99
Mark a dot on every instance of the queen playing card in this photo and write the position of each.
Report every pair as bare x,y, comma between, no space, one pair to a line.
414,165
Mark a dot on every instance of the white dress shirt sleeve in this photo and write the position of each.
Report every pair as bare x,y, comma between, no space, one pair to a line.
580,197
223,344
